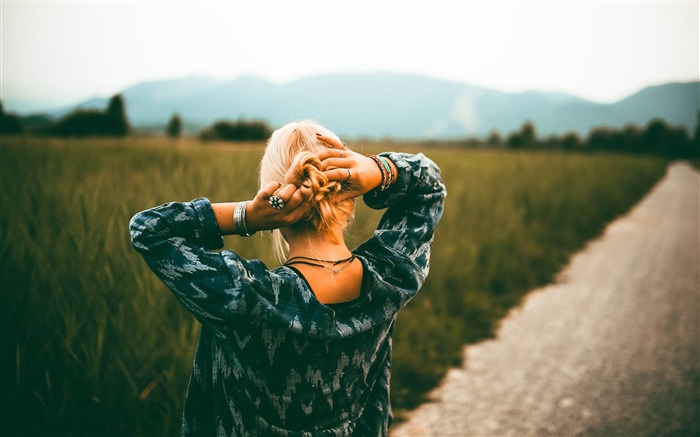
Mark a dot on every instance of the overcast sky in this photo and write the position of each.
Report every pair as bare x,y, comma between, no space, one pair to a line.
62,52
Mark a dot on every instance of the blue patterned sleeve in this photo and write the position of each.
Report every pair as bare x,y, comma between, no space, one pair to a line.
176,240
400,249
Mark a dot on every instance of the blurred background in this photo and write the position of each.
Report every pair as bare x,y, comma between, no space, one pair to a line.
548,119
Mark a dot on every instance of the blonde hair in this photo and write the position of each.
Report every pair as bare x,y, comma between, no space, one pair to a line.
291,158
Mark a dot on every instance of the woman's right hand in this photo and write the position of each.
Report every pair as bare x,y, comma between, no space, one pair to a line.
260,215
360,173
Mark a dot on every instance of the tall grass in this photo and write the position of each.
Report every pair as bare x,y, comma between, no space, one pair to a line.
94,344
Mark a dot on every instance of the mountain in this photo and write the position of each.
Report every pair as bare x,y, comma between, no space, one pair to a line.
397,105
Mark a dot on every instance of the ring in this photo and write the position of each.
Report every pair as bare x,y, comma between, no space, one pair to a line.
341,153
349,175
276,202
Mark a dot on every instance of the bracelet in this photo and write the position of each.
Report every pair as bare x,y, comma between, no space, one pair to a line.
389,170
239,220
385,175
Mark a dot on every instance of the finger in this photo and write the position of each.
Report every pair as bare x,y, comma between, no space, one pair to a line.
331,163
339,174
300,207
331,141
285,192
303,211
268,190
280,199
296,199
333,153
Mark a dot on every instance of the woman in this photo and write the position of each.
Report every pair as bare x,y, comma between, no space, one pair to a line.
303,349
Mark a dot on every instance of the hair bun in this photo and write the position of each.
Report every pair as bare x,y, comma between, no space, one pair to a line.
307,171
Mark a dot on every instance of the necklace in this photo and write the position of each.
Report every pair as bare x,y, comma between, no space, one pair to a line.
318,262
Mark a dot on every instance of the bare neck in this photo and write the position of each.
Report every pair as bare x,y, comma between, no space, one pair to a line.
307,242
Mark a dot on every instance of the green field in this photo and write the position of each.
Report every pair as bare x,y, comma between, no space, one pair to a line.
94,344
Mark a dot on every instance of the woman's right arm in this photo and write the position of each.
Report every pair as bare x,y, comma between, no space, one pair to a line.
399,251
414,200
414,206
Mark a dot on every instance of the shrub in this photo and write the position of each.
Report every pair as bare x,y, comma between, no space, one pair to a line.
174,127
93,122
241,130
9,123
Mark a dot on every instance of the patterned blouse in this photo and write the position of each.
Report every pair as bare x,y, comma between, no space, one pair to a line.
272,360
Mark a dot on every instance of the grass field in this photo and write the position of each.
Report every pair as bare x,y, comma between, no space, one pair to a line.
94,344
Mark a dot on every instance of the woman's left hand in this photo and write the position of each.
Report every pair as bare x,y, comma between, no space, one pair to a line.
359,172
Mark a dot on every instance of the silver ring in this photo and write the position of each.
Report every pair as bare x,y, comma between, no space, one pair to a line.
276,202
349,175
341,153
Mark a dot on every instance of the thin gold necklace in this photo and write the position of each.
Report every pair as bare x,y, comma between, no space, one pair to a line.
310,262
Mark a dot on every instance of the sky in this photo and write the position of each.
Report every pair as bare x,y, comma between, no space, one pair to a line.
61,52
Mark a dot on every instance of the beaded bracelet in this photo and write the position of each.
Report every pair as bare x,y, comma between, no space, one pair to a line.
389,170
385,175
239,220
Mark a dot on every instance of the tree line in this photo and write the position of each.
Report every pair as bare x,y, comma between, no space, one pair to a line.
656,137
79,123
113,122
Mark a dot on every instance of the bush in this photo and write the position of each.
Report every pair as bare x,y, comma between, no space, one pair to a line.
526,137
9,123
174,128
37,122
656,137
240,130
93,122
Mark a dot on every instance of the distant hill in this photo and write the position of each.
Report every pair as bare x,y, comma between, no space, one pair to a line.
396,105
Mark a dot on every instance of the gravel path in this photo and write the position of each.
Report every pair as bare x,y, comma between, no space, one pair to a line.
612,349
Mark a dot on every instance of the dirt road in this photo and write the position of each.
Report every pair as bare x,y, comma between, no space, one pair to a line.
612,349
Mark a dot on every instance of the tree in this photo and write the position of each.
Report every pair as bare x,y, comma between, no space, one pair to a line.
667,139
526,137
494,138
241,130
696,138
81,123
570,141
527,132
603,138
9,123
631,138
694,146
119,126
174,128
93,122
36,122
